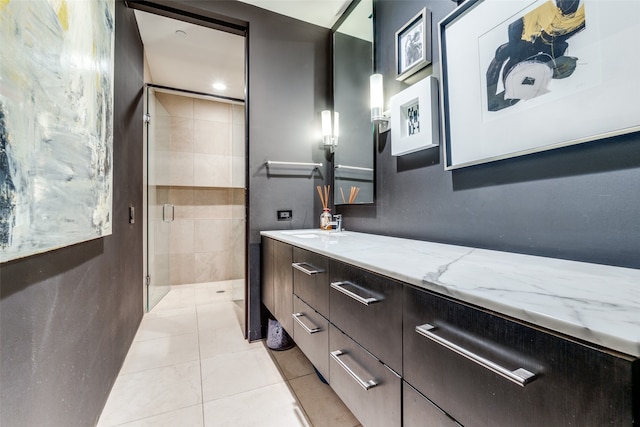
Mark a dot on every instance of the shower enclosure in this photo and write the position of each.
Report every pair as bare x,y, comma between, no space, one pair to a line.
196,215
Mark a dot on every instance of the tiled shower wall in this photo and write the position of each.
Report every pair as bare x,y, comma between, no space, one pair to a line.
201,148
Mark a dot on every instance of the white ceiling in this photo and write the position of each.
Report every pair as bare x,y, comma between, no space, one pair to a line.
186,56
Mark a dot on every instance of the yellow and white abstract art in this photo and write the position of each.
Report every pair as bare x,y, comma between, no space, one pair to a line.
56,123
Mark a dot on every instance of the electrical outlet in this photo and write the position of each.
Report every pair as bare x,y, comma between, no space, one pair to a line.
285,215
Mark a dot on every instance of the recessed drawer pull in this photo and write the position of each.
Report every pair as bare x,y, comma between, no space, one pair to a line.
306,268
297,316
519,376
364,384
341,286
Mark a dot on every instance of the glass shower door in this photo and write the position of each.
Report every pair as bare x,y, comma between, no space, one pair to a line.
159,211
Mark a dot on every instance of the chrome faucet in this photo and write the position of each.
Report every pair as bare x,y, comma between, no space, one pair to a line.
336,224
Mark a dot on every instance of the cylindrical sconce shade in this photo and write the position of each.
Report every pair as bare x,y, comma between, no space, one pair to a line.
326,123
377,95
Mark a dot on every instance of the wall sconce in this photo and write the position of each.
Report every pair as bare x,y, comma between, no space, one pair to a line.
330,133
378,115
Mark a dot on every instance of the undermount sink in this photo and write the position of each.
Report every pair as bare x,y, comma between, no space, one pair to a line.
312,234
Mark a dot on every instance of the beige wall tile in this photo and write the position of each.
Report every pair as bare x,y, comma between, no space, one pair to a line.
237,114
159,269
212,203
238,142
238,172
161,240
212,235
159,170
182,199
211,110
182,268
210,170
182,236
181,169
212,137
160,136
182,134
236,255
176,106
238,203
212,266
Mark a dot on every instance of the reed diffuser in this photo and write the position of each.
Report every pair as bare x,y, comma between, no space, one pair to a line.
352,195
325,216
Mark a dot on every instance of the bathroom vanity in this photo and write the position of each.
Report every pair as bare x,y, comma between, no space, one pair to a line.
414,333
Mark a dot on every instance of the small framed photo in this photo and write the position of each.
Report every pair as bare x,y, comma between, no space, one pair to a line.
413,45
414,118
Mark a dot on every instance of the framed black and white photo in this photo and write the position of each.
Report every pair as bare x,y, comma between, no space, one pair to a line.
523,76
414,118
413,45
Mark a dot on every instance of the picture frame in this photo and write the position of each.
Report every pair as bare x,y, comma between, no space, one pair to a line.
584,90
413,45
414,118
56,131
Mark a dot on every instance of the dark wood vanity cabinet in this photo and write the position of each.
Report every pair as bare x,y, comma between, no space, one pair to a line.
475,366
368,308
268,273
311,334
277,281
399,355
418,411
310,279
370,389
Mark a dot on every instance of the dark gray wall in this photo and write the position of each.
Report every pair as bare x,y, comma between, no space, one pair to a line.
67,317
580,202
288,88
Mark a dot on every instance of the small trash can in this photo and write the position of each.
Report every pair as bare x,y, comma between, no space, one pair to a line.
277,338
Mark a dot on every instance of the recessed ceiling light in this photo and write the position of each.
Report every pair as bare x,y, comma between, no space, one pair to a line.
181,33
219,86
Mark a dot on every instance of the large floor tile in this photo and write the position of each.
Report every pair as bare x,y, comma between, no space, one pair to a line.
217,341
293,363
211,292
152,392
153,327
160,352
220,315
181,296
271,406
323,407
233,373
187,417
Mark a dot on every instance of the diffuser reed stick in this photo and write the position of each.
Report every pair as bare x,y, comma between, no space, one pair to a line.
325,217
353,194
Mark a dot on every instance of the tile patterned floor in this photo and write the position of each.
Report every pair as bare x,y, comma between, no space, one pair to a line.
190,366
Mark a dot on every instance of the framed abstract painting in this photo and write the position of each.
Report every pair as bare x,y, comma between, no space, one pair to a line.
56,124
522,76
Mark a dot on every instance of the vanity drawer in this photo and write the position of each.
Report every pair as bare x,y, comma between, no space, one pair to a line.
453,353
311,334
418,411
368,308
310,279
369,389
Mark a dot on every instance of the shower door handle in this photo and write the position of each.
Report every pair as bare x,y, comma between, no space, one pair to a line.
166,208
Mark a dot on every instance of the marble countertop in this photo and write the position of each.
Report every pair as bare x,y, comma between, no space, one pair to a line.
595,303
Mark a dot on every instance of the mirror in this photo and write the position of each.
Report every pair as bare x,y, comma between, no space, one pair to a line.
353,162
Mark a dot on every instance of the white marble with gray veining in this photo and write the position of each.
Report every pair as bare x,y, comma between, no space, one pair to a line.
596,303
